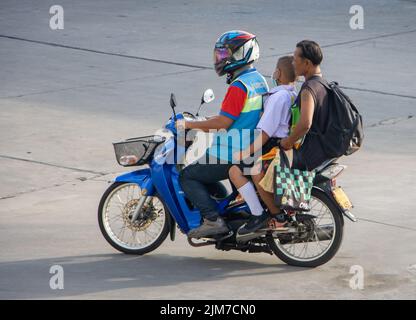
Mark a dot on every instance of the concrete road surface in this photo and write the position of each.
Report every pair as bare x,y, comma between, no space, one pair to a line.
65,95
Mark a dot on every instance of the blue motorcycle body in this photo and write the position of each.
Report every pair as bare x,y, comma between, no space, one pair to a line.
162,178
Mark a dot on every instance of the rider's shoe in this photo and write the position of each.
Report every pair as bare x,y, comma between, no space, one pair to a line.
255,223
209,228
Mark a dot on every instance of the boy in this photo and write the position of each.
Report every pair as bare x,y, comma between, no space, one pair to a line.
274,123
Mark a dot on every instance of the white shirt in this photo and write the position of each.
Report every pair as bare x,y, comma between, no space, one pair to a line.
275,119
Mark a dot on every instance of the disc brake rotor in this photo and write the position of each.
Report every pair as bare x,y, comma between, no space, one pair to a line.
140,224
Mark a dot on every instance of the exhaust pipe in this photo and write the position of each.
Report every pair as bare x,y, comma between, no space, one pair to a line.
324,232
250,236
201,244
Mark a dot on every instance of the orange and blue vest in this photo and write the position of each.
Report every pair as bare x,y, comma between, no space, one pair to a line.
241,133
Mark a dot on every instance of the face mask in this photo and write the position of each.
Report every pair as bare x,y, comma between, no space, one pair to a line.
274,81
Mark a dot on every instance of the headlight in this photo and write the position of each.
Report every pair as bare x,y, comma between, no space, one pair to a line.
333,171
129,160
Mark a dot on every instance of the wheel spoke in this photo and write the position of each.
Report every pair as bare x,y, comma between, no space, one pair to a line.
322,230
116,218
122,230
304,250
119,206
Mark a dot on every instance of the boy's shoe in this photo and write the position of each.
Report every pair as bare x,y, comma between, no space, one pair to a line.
255,223
275,225
278,222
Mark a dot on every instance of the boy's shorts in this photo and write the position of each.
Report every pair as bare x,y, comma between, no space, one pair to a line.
268,154
269,161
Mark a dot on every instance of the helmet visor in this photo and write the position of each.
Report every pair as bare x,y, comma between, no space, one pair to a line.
220,54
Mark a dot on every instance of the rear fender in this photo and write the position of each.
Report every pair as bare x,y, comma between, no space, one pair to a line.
327,191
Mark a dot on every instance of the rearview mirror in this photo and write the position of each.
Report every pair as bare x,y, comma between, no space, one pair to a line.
172,101
208,96
173,104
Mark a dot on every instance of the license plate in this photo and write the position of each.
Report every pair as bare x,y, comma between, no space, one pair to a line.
341,198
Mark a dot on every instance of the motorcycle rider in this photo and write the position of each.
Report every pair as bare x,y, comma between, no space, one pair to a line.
234,53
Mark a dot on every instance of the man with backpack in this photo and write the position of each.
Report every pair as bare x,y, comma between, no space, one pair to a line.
310,112
313,104
329,125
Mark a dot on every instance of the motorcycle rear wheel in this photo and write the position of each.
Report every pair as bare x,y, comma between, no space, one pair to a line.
291,257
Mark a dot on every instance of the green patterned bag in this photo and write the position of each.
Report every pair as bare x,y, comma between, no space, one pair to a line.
292,187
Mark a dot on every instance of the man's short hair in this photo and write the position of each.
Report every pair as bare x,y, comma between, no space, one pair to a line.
311,50
285,63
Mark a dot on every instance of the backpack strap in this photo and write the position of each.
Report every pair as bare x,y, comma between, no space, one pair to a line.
326,84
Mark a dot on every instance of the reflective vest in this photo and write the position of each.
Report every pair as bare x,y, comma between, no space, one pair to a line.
241,133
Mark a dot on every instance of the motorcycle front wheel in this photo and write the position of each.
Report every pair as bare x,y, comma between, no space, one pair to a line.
320,241
114,218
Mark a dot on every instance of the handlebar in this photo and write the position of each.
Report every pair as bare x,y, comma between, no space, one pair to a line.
171,124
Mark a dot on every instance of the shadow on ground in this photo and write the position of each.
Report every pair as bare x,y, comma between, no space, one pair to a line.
100,273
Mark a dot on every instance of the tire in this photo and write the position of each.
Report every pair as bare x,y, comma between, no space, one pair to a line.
334,246
107,232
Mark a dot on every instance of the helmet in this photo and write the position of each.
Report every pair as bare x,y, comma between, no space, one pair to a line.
233,50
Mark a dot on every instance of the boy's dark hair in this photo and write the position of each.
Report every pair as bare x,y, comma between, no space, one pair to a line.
285,63
311,50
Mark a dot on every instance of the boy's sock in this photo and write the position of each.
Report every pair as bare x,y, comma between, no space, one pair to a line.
249,194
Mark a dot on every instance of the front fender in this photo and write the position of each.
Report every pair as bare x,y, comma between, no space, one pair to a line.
141,177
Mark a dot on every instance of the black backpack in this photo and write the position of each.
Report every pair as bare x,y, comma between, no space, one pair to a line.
344,132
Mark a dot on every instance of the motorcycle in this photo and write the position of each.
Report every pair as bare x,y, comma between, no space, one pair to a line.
141,208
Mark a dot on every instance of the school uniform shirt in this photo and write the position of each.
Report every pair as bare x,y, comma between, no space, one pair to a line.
276,115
